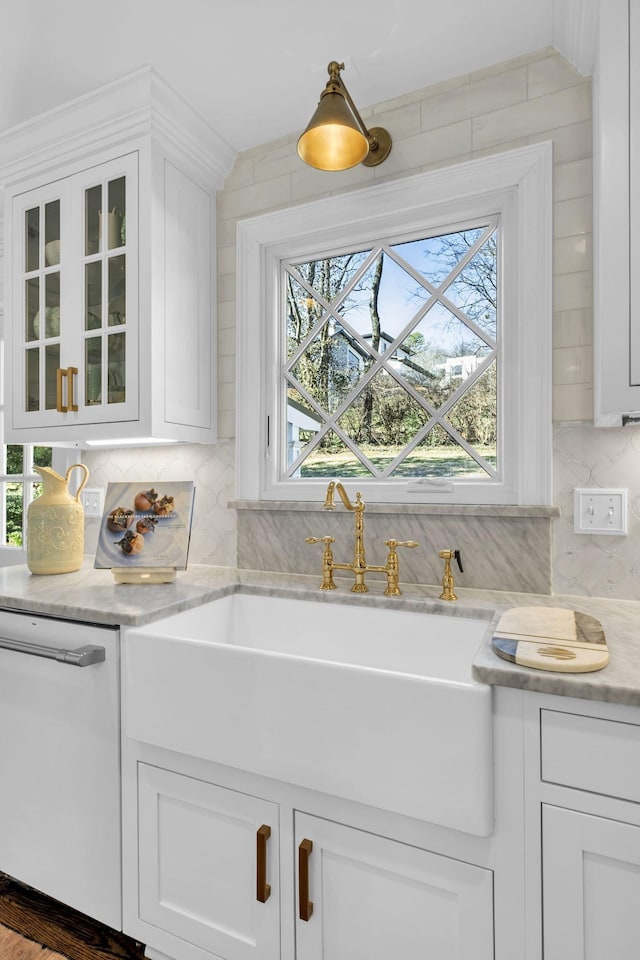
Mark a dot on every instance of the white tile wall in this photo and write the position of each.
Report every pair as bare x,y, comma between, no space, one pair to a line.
532,98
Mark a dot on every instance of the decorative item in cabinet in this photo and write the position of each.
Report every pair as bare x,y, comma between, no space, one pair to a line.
116,254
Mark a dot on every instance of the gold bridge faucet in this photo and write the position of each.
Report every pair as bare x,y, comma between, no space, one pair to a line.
359,566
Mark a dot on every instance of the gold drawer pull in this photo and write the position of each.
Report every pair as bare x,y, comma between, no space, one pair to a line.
72,371
60,373
263,889
306,905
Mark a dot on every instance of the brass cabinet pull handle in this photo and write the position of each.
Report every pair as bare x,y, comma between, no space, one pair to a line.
71,371
306,905
263,889
60,373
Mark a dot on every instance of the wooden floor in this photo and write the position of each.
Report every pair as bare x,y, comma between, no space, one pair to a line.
59,927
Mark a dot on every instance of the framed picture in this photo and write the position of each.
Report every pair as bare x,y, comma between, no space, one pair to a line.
146,524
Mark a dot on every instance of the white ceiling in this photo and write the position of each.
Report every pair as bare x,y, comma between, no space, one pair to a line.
255,68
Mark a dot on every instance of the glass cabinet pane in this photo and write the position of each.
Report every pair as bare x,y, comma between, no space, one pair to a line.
51,364
93,295
52,305
32,239
32,309
52,233
92,220
117,213
93,370
116,368
32,380
117,290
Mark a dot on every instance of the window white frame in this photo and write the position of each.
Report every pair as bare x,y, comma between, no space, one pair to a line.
516,187
60,460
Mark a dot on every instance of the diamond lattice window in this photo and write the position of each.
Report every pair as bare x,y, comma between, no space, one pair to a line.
390,364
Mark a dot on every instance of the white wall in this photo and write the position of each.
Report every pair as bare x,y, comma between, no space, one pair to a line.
530,99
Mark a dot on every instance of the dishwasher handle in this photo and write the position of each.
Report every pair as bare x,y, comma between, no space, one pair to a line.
80,657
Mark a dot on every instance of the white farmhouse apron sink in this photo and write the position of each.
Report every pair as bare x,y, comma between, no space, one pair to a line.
375,705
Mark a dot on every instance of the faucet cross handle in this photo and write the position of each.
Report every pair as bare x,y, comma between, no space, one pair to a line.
327,561
392,544
393,588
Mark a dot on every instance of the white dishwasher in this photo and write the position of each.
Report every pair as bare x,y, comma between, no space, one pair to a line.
60,761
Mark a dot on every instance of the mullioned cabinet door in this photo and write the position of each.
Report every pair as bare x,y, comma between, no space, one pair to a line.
73,334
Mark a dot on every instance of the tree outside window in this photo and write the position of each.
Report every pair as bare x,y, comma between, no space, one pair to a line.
20,485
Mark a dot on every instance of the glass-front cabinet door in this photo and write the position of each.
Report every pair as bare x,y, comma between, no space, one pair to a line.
104,314
75,358
39,291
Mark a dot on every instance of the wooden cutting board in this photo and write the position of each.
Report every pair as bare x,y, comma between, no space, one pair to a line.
551,638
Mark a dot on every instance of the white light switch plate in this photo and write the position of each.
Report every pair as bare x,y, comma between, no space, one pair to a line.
600,511
93,501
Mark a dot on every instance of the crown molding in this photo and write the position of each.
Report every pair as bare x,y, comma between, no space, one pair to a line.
141,104
575,32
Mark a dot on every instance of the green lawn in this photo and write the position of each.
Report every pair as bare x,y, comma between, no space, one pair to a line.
434,462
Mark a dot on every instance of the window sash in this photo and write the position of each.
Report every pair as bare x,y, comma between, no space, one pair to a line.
436,294
514,186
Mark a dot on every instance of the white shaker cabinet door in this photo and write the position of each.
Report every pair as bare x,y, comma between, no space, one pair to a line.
208,868
591,887
368,898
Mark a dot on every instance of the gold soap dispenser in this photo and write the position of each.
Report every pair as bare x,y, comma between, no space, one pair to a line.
447,579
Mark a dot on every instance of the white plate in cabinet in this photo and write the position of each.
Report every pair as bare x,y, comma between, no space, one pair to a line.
364,897
208,869
591,884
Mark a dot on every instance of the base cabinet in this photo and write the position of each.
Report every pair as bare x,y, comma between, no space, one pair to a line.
219,871
204,850
364,897
591,872
583,814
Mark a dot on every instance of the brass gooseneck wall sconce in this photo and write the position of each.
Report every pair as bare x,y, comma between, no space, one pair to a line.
336,137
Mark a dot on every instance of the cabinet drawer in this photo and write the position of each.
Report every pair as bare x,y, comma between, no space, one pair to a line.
602,756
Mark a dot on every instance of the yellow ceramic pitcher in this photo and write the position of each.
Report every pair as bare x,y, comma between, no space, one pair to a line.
55,524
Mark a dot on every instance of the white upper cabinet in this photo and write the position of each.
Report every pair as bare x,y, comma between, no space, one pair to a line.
109,207
617,214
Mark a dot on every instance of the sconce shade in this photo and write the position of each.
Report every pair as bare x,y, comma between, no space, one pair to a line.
333,140
336,137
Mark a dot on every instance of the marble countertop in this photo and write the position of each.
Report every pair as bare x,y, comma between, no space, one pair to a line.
92,596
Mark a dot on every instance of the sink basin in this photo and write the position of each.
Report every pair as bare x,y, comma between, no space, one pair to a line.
376,705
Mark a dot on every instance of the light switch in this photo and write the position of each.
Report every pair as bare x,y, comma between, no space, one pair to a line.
93,502
600,511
